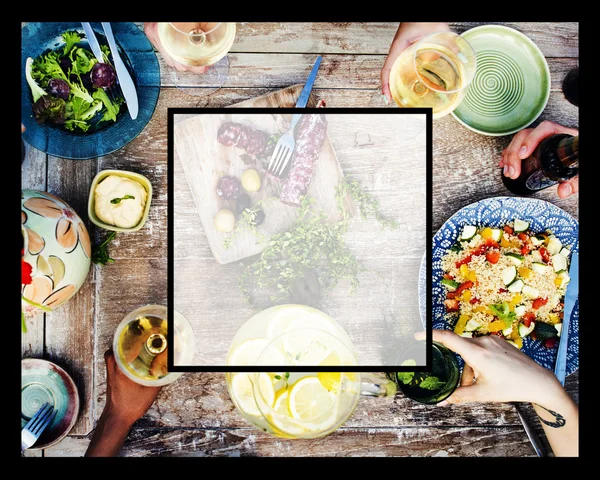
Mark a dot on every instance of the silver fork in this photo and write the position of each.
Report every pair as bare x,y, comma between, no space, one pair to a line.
284,149
36,425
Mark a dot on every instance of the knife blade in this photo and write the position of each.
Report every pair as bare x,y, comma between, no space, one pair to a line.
125,80
92,40
560,369
536,443
303,98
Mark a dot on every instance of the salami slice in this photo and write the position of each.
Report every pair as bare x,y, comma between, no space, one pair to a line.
229,133
257,141
310,136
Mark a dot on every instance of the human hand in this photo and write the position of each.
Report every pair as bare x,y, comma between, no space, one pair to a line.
125,400
495,371
407,34
522,146
151,31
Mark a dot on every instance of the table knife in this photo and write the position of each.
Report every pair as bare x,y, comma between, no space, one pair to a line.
125,80
303,98
537,444
93,41
571,295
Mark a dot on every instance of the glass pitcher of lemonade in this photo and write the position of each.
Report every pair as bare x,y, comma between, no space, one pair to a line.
297,404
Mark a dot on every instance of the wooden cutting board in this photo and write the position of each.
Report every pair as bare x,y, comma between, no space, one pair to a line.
205,161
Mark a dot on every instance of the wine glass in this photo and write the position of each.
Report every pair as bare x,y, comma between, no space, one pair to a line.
434,73
198,44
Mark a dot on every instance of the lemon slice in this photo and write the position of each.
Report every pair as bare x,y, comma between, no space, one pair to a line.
282,318
281,404
310,401
247,352
330,380
306,349
241,389
313,321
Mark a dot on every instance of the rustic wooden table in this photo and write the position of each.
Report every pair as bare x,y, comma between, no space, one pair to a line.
194,416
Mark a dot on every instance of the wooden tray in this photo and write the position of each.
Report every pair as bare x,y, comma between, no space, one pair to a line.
205,160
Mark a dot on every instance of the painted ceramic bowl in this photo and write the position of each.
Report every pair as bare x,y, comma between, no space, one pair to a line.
57,249
45,382
496,212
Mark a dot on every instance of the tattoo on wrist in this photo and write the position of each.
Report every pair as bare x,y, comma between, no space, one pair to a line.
559,420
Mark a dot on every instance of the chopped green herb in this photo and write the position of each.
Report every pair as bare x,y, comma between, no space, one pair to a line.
431,383
100,252
247,221
502,311
405,377
116,201
277,377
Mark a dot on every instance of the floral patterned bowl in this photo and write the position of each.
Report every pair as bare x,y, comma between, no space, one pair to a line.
496,212
56,252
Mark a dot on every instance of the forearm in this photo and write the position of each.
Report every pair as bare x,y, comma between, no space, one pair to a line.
559,415
109,436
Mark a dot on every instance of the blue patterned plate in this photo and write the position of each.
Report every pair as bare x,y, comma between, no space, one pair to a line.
496,212
137,53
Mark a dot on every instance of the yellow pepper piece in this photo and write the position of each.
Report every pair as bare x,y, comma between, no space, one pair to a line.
514,335
496,326
525,272
466,295
558,281
514,302
483,309
464,270
554,318
504,242
460,325
518,341
486,233
471,276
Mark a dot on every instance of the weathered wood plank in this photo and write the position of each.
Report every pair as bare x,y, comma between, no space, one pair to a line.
555,39
70,329
279,70
345,442
33,176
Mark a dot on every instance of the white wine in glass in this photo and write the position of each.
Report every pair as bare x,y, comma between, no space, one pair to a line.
433,73
199,44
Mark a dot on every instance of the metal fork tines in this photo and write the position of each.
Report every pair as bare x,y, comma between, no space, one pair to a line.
36,425
284,149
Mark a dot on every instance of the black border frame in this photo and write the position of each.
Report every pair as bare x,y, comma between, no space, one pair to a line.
171,112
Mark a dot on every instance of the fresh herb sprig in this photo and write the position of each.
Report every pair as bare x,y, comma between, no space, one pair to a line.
247,221
100,253
117,200
313,243
367,203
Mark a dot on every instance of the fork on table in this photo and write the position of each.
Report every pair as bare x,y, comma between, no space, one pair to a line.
38,423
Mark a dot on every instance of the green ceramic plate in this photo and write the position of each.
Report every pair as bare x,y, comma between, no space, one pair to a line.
511,85
43,381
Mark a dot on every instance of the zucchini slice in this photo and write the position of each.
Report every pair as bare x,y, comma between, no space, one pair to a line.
474,241
472,325
520,310
537,241
558,328
515,258
539,267
516,286
524,331
509,275
496,234
450,284
554,245
468,232
530,292
559,262
565,252
520,225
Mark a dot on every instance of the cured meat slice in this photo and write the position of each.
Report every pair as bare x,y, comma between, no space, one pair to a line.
310,136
